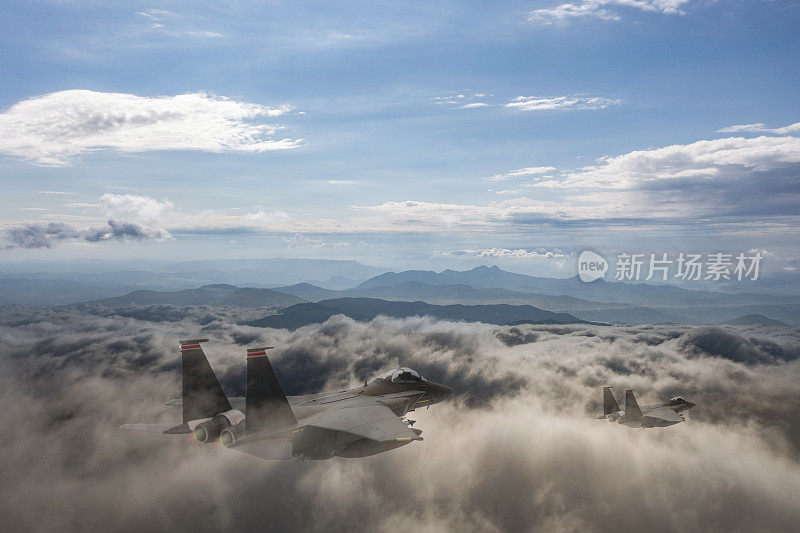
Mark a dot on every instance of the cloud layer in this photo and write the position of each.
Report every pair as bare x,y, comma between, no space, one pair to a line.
536,253
761,128
511,452
136,207
52,129
559,103
731,180
47,235
698,160
603,10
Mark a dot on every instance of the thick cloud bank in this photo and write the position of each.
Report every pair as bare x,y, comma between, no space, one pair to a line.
512,452
51,129
40,235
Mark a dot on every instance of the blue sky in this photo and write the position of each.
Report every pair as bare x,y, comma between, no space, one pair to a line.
400,134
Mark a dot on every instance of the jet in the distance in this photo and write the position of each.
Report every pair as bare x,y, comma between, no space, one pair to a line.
659,415
265,423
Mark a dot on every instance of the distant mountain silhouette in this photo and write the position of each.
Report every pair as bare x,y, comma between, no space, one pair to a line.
217,295
755,320
600,290
363,309
174,283
45,283
309,292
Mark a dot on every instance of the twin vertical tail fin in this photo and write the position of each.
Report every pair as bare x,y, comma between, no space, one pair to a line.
267,406
203,396
632,410
610,404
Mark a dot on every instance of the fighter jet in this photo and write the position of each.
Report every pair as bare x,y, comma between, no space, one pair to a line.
265,423
660,415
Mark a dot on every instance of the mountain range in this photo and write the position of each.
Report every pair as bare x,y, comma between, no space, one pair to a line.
218,295
600,290
46,283
364,309
599,301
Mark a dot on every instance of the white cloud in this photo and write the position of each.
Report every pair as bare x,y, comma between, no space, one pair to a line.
525,103
527,171
82,204
749,182
172,24
154,14
52,129
263,217
535,253
463,101
699,160
565,12
432,216
135,207
729,181
603,10
761,128
342,182
536,103
298,240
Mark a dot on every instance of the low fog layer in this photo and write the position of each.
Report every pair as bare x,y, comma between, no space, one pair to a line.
514,450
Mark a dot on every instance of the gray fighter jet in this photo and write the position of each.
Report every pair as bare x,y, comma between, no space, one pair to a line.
353,423
650,416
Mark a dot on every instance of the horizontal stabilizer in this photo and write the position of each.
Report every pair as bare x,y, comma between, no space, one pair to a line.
170,428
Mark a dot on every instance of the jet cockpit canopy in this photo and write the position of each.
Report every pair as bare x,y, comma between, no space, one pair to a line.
401,374
677,400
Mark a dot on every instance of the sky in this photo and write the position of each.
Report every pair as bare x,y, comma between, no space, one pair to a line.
400,134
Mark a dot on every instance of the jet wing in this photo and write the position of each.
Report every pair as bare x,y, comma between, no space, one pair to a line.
664,413
374,422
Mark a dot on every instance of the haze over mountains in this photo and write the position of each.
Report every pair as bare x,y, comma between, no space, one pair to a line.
365,309
219,295
755,320
600,290
177,284
44,283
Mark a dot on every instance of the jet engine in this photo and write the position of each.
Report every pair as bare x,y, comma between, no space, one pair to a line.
209,431
231,434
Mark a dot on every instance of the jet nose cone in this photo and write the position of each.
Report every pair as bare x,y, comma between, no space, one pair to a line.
447,392
689,405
